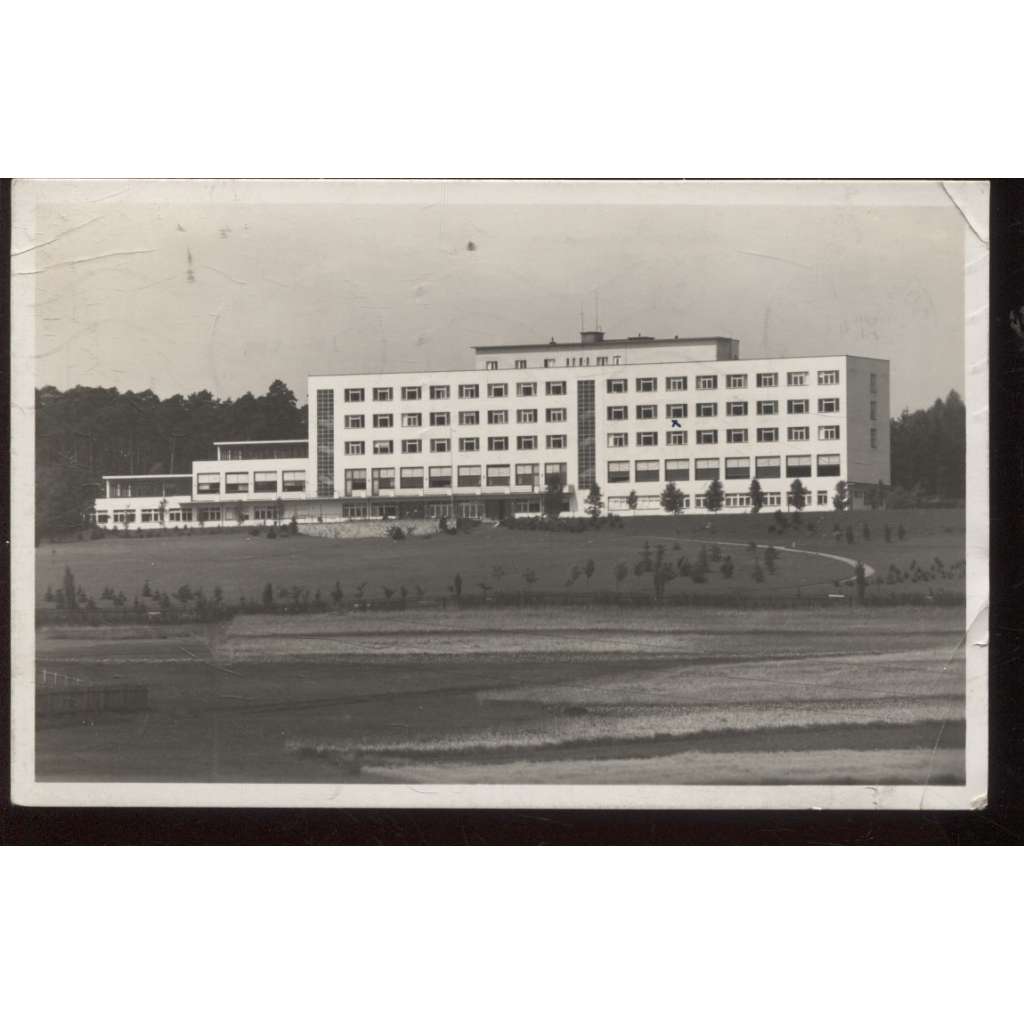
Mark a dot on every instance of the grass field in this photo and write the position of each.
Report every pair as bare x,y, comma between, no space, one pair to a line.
242,564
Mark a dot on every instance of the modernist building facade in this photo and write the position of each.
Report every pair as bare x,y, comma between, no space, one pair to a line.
630,414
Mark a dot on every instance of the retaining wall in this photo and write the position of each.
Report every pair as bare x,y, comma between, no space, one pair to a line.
356,528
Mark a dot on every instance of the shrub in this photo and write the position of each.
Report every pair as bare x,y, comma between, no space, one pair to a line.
395,533
758,573
272,533
726,568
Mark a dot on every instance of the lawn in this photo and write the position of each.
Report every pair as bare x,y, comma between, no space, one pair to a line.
506,560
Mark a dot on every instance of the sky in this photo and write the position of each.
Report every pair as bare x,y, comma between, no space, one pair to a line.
185,286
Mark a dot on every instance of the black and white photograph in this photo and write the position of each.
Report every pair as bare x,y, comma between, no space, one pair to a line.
567,493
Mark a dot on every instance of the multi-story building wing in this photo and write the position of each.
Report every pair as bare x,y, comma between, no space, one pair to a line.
630,415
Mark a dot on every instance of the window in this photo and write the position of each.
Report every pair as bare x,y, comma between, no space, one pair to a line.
873,384
707,408
497,444
548,363
768,467
616,360
498,476
828,465
293,480
152,515
383,394
618,472
768,434
737,469
829,433
497,391
676,437
325,443
874,410
383,447
796,378
798,465
440,444
497,416
383,420
555,387
707,437
767,380
411,394
264,481
616,386
491,364
469,391
206,515
705,469
383,480
412,419
736,437
439,476
602,360
439,419
677,469
675,411
828,376
648,470
208,483
236,483
556,415
556,441
469,444
520,364
735,408
412,447
410,477
770,408
526,443
618,440
527,474
526,390
469,419
526,416
647,439
708,382
647,383
354,422
646,412
797,406
822,497
469,476
355,447
355,480
798,434
874,438
555,471
735,380
617,412
439,392
675,383
354,394
828,405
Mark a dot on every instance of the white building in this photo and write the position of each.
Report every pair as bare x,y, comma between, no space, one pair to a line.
630,415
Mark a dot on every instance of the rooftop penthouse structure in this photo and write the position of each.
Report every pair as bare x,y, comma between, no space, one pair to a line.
630,415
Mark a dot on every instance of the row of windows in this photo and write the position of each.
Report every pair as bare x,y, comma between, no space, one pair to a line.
258,482
528,389
413,477
469,418
765,468
442,392
520,364
676,411
500,443
764,435
731,499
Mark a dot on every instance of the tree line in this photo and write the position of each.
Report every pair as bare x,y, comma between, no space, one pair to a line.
84,434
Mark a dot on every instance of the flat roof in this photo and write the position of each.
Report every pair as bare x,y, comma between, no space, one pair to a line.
292,440
637,342
151,476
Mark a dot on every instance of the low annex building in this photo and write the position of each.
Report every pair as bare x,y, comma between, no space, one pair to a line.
484,443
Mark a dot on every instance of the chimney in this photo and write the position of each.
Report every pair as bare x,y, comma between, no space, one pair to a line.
590,337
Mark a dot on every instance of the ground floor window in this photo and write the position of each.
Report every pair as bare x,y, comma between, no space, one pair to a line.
354,511
531,508
648,501
438,510
209,515
737,500
102,517
470,510
822,497
773,498
379,511
126,516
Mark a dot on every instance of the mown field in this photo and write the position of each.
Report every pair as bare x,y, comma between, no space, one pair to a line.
516,560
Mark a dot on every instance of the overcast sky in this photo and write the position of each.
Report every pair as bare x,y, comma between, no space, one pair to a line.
191,287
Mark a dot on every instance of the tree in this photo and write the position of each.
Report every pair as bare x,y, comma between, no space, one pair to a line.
553,497
239,513
714,496
841,499
588,569
161,512
621,572
278,510
457,586
861,579
594,502
672,499
70,593
631,501
268,595
756,496
797,496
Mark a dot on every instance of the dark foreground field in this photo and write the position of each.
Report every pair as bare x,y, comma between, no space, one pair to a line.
588,695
